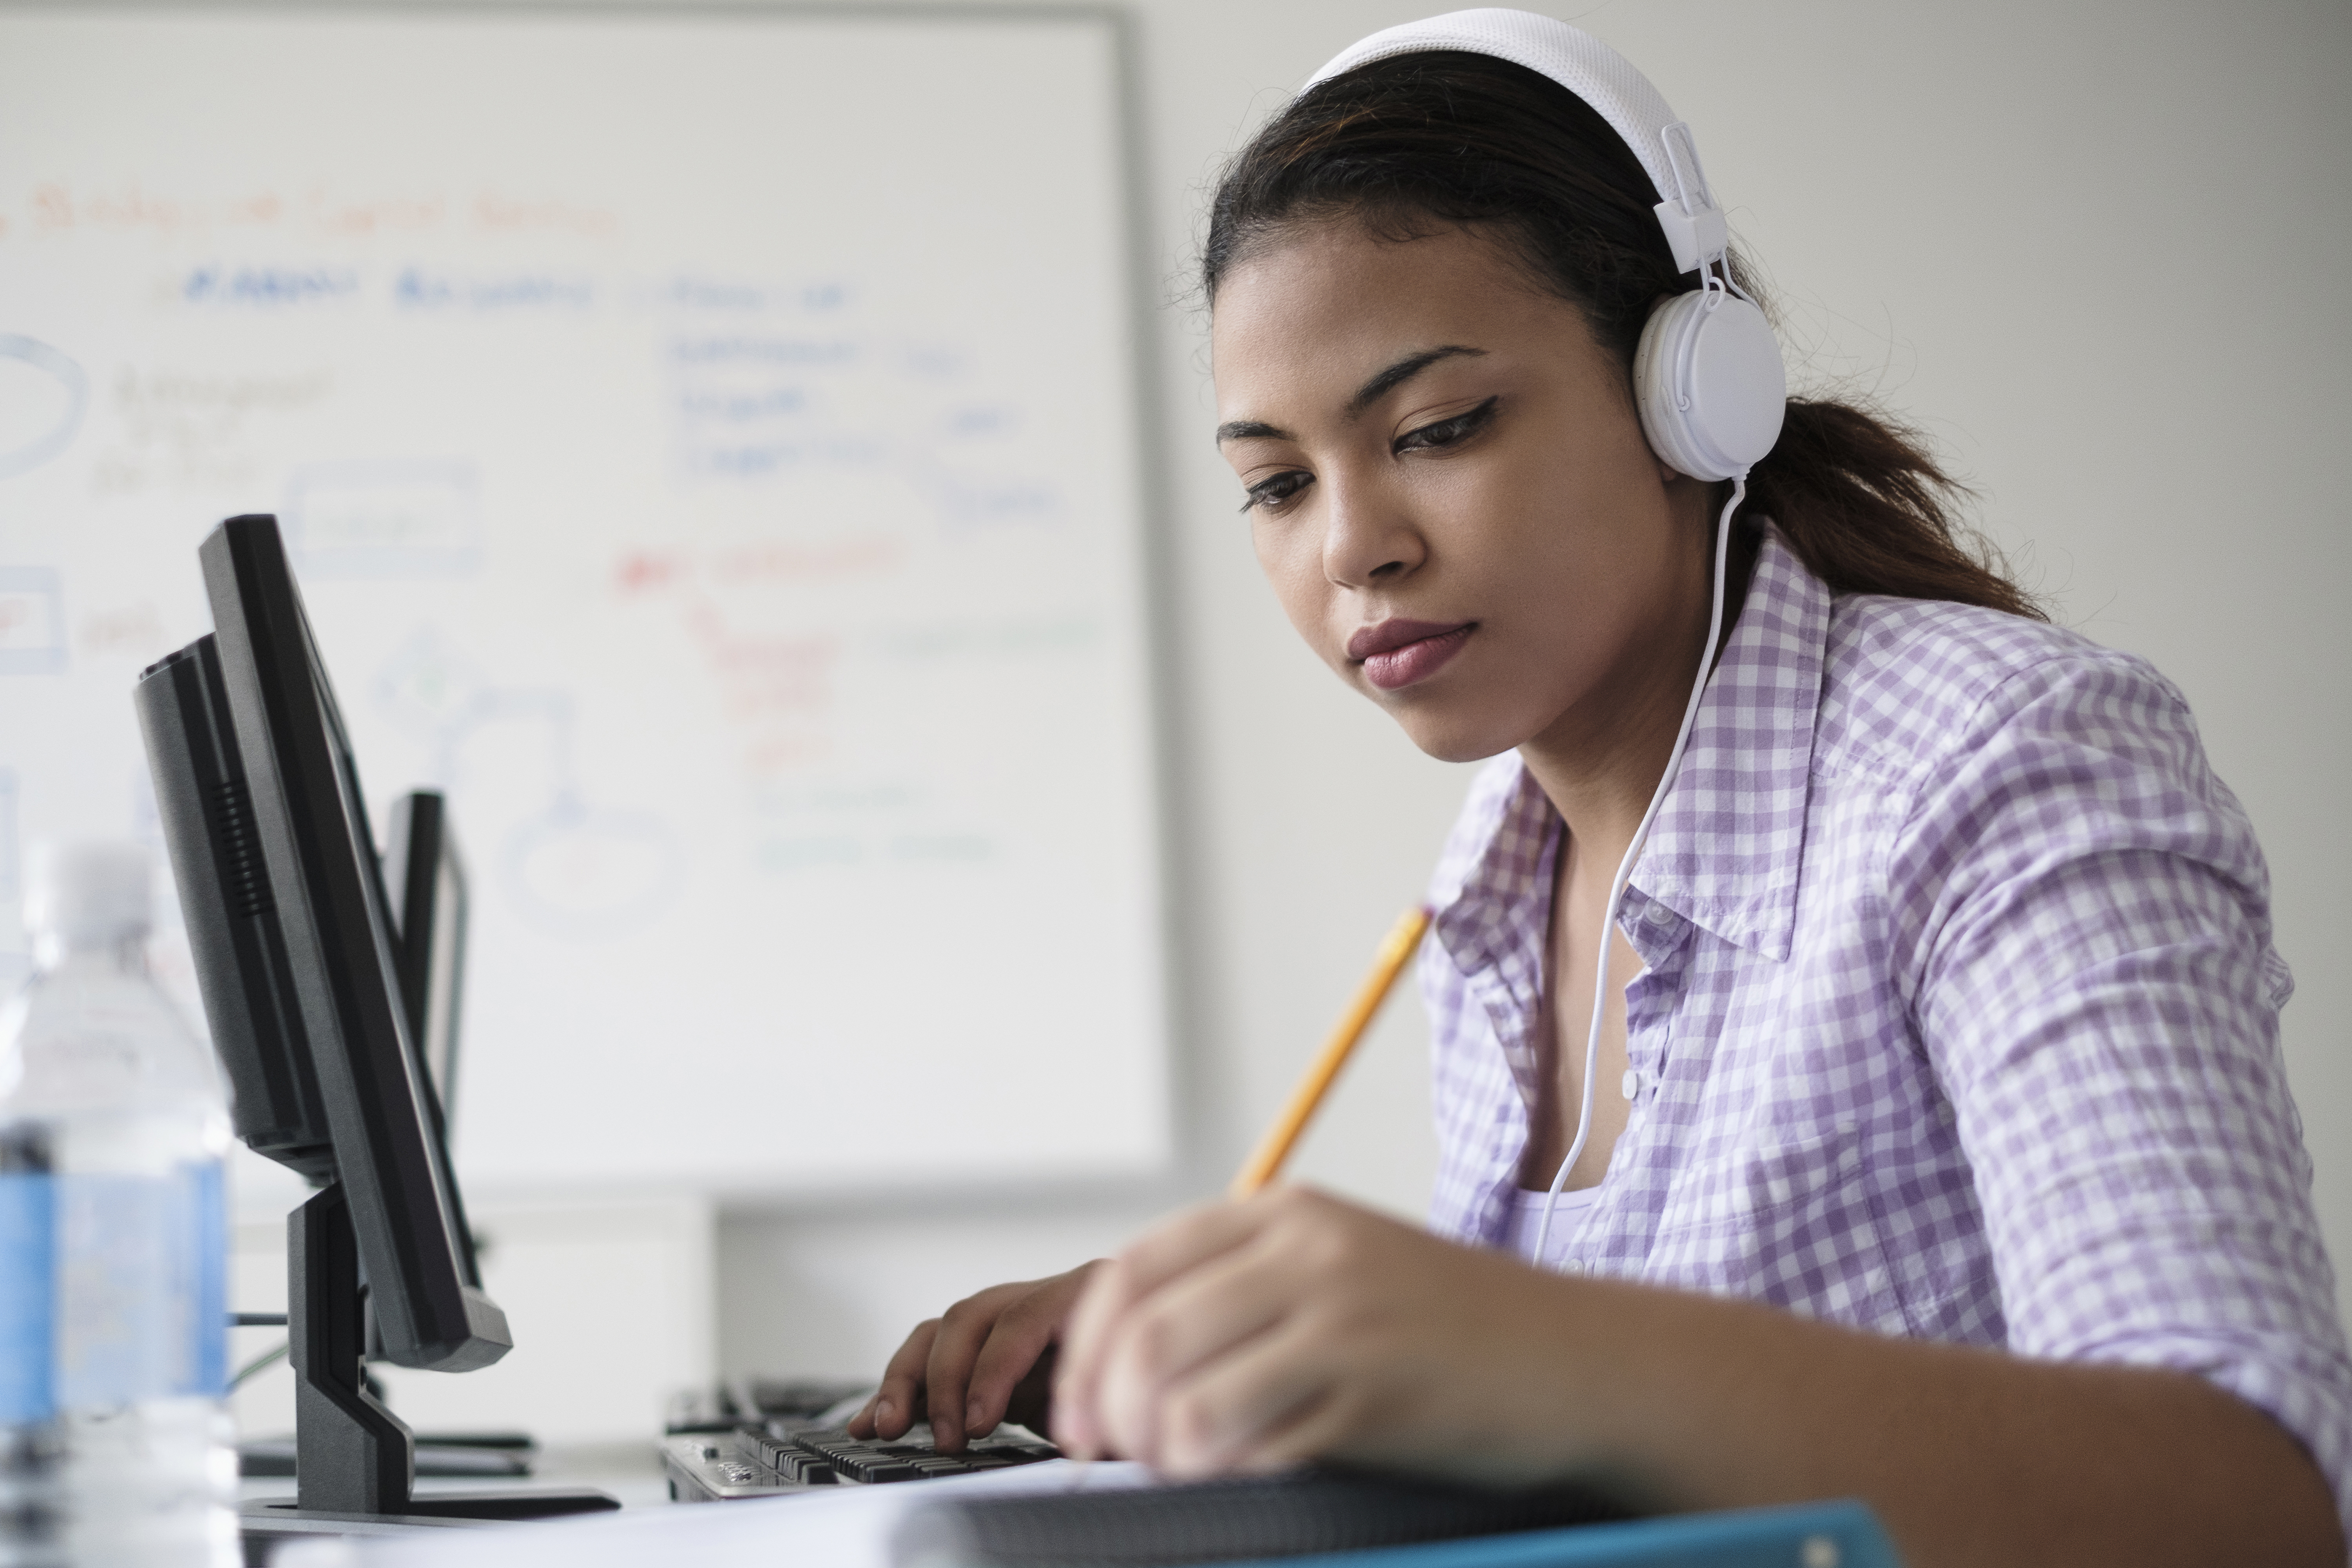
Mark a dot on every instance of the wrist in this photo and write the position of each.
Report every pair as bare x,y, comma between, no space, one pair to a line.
1580,1376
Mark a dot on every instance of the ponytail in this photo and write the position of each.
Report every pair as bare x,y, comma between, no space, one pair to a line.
1866,509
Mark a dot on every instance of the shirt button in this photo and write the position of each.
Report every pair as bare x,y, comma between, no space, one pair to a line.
1632,1082
1573,1266
1657,913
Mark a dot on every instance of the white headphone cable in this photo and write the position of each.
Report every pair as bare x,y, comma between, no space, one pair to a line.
1633,852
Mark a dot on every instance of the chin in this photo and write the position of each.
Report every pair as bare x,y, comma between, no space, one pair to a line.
1456,737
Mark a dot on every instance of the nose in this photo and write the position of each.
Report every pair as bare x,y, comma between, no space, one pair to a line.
1368,540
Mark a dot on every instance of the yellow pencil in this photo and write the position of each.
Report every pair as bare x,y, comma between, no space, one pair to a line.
1266,1163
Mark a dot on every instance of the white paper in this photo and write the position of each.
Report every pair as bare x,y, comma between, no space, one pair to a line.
849,1527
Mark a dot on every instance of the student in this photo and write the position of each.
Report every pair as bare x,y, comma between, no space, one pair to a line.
1936,1147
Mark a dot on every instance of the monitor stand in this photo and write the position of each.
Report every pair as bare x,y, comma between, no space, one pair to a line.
355,1461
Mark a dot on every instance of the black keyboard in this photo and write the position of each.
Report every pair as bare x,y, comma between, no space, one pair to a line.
787,1456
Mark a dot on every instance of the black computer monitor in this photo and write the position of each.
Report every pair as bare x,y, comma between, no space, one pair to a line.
242,965
295,949
428,883
425,877
315,863
242,968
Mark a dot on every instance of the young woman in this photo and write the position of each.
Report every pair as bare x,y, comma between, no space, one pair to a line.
1930,1141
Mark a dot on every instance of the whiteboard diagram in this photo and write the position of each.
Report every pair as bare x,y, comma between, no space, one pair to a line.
574,867
32,621
49,410
418,517
728,490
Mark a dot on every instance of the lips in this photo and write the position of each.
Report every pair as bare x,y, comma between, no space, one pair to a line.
1397,652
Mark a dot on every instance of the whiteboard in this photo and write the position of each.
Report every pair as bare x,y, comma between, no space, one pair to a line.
709,447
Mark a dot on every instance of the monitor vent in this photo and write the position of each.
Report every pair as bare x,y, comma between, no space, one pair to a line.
243,880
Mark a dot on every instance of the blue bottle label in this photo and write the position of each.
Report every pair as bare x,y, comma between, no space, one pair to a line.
28,1295
115,1317
204,1282
145,1303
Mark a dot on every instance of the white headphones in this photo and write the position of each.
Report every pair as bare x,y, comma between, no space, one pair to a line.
1707,375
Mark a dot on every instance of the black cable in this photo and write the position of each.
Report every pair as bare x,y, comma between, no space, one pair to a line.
261,1363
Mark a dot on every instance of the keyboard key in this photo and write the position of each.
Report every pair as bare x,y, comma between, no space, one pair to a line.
821,1456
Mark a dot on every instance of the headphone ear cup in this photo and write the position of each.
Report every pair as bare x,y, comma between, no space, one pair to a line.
1708,382
1656,392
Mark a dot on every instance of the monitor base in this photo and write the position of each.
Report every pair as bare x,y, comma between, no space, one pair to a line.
270,1516
437,1459
354,1462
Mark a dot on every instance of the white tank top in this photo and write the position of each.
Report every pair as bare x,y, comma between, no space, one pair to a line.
1567,1212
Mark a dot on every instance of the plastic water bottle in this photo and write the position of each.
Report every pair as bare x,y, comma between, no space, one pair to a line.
113,1329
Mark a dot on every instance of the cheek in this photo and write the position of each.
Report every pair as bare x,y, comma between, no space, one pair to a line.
1291,554
1572,601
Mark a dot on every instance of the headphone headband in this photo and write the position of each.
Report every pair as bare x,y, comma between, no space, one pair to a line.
1707,375
1602,78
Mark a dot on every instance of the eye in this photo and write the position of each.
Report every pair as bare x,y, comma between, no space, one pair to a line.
1449,432
1276,492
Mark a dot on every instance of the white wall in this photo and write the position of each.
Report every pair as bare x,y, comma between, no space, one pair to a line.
609,1301
2096,248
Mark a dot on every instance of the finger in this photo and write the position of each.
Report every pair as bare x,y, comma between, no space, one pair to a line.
1031,1402
1073,1378
1327,1424
1180,1243
947,1377
1273,1402
1023,1333
1190,1322
896,1402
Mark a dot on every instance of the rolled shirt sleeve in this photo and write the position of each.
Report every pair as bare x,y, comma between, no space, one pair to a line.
2084,930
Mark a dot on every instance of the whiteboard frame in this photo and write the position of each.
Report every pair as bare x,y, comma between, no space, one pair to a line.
1187,1092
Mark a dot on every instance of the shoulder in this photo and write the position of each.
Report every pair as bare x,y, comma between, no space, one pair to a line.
2011,750
1910,687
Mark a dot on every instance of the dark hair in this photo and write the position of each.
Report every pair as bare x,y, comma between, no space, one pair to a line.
1416,143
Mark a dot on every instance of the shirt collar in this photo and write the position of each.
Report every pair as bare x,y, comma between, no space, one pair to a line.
1725,849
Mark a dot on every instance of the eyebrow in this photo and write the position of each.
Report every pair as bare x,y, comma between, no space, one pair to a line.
1371,392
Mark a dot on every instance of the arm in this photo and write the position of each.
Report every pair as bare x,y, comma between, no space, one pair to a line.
1255,1335
2076,918
2082,914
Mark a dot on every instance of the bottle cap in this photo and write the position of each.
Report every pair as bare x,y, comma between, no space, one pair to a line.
88,894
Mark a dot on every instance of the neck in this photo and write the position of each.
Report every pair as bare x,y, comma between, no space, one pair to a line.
1599,763
1598,771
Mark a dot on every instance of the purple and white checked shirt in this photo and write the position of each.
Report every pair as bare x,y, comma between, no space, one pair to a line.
1961,1018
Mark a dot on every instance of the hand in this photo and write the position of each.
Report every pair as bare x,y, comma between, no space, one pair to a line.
1255,1335
990,1358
